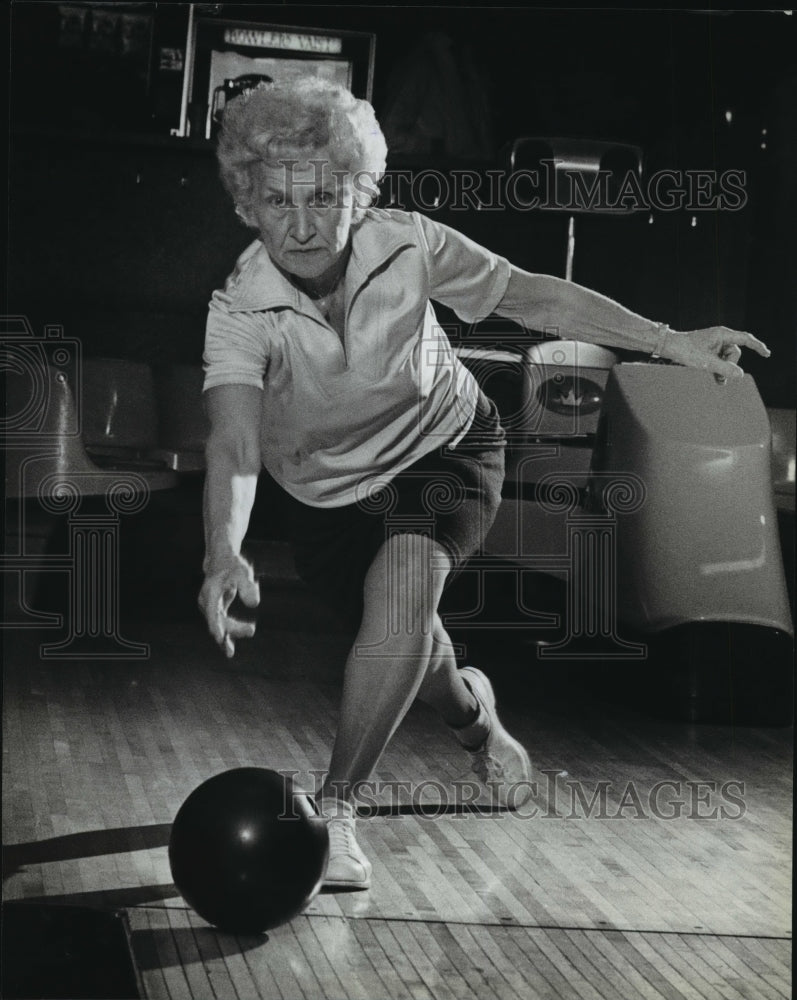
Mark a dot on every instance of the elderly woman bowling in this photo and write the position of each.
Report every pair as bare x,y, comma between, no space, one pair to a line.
325,365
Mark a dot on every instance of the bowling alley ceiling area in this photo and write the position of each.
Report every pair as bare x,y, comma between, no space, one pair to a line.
653,860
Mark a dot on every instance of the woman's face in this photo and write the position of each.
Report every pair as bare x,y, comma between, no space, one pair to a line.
303,208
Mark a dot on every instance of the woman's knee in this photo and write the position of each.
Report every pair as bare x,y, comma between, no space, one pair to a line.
404,583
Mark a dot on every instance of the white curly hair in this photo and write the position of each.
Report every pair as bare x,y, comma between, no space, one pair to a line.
275,121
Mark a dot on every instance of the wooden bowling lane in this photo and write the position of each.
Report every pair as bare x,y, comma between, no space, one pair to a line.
613,900
340,958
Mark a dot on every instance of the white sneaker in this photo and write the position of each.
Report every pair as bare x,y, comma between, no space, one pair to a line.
500,763
348,867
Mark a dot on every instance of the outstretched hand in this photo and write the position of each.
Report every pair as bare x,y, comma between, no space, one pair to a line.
717,349
217,594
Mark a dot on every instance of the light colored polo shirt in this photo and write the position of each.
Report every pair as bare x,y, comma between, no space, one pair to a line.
341,416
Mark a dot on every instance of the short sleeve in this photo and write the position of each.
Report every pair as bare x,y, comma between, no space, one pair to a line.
463,275
236,345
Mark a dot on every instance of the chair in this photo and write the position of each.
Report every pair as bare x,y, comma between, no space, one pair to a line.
578,176
704,544
182,423
784,433
47,462
119,412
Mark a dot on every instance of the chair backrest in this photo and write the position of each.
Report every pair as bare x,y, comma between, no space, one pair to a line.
577,175
182,423
51,444
119,410
54,448
183,426
784,431
702,543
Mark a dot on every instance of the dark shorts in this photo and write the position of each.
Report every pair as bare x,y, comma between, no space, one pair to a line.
451,495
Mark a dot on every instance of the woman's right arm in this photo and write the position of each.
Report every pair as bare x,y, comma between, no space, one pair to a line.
233,466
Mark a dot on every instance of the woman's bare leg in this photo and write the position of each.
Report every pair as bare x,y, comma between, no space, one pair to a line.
390,657
443,686
401,651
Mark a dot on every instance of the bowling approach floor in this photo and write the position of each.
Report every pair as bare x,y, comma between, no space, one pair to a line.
619,897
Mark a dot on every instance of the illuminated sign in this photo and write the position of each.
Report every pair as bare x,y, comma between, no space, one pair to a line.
265,39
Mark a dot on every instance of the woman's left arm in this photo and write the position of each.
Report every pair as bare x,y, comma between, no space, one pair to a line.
553,305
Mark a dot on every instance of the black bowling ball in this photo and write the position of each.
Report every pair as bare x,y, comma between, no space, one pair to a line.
248,851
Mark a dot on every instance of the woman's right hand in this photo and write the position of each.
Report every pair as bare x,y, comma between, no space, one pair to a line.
219,590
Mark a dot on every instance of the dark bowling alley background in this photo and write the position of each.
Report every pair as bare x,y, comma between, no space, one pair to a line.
119,230
120,234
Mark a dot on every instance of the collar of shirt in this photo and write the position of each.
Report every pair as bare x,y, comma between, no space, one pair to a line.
260,285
